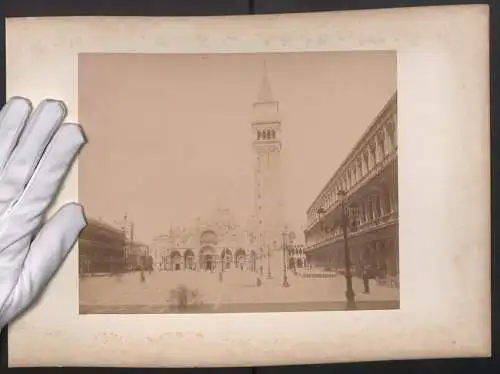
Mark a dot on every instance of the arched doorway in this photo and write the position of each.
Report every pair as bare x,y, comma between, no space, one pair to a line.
227,258
291,263
240,259
300,263
175,260
207,258
189,262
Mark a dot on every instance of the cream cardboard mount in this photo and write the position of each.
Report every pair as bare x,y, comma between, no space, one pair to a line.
443,180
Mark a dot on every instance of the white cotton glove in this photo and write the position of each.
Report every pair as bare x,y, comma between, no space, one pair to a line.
36,150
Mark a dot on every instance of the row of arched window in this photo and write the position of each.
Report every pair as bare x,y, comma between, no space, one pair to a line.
296,251
267,134
368,157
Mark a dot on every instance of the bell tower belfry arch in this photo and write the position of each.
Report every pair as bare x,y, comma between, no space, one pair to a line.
267,145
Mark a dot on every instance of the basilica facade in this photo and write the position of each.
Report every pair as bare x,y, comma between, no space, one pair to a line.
216,243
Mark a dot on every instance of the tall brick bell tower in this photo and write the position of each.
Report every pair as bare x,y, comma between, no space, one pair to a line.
267,145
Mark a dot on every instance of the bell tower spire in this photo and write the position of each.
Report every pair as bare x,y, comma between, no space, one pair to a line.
266,108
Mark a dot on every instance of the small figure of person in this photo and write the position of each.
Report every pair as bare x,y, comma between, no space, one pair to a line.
366,279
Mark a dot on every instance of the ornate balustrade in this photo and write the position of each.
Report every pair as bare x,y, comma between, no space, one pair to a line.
369,226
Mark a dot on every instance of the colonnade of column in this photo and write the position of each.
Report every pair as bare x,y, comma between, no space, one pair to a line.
374,207
381,256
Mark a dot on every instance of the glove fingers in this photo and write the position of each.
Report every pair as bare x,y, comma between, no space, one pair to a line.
10,267
47,252
43,123
13,118
46,180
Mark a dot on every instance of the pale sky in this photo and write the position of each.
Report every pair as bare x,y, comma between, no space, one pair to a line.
170,137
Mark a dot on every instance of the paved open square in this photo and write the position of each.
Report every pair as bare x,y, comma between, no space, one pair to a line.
160,292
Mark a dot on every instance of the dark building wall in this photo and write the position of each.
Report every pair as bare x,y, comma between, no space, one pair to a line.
101,249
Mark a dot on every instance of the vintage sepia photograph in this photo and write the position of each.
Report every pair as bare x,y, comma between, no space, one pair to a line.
238,182
246,198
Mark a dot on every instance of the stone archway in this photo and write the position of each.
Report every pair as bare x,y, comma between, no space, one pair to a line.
208,260
240,259
189,260
208,237
175,261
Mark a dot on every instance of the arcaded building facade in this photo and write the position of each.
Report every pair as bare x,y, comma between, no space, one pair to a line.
369,178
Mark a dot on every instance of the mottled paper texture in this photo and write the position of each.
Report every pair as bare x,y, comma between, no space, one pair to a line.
444,194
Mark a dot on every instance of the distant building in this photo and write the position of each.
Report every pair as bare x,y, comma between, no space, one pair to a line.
207,245
104,248
101,248
138,256
369,177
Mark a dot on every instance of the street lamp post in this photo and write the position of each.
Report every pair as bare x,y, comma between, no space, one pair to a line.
269,275
284,282
350,295
221,275
223,265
